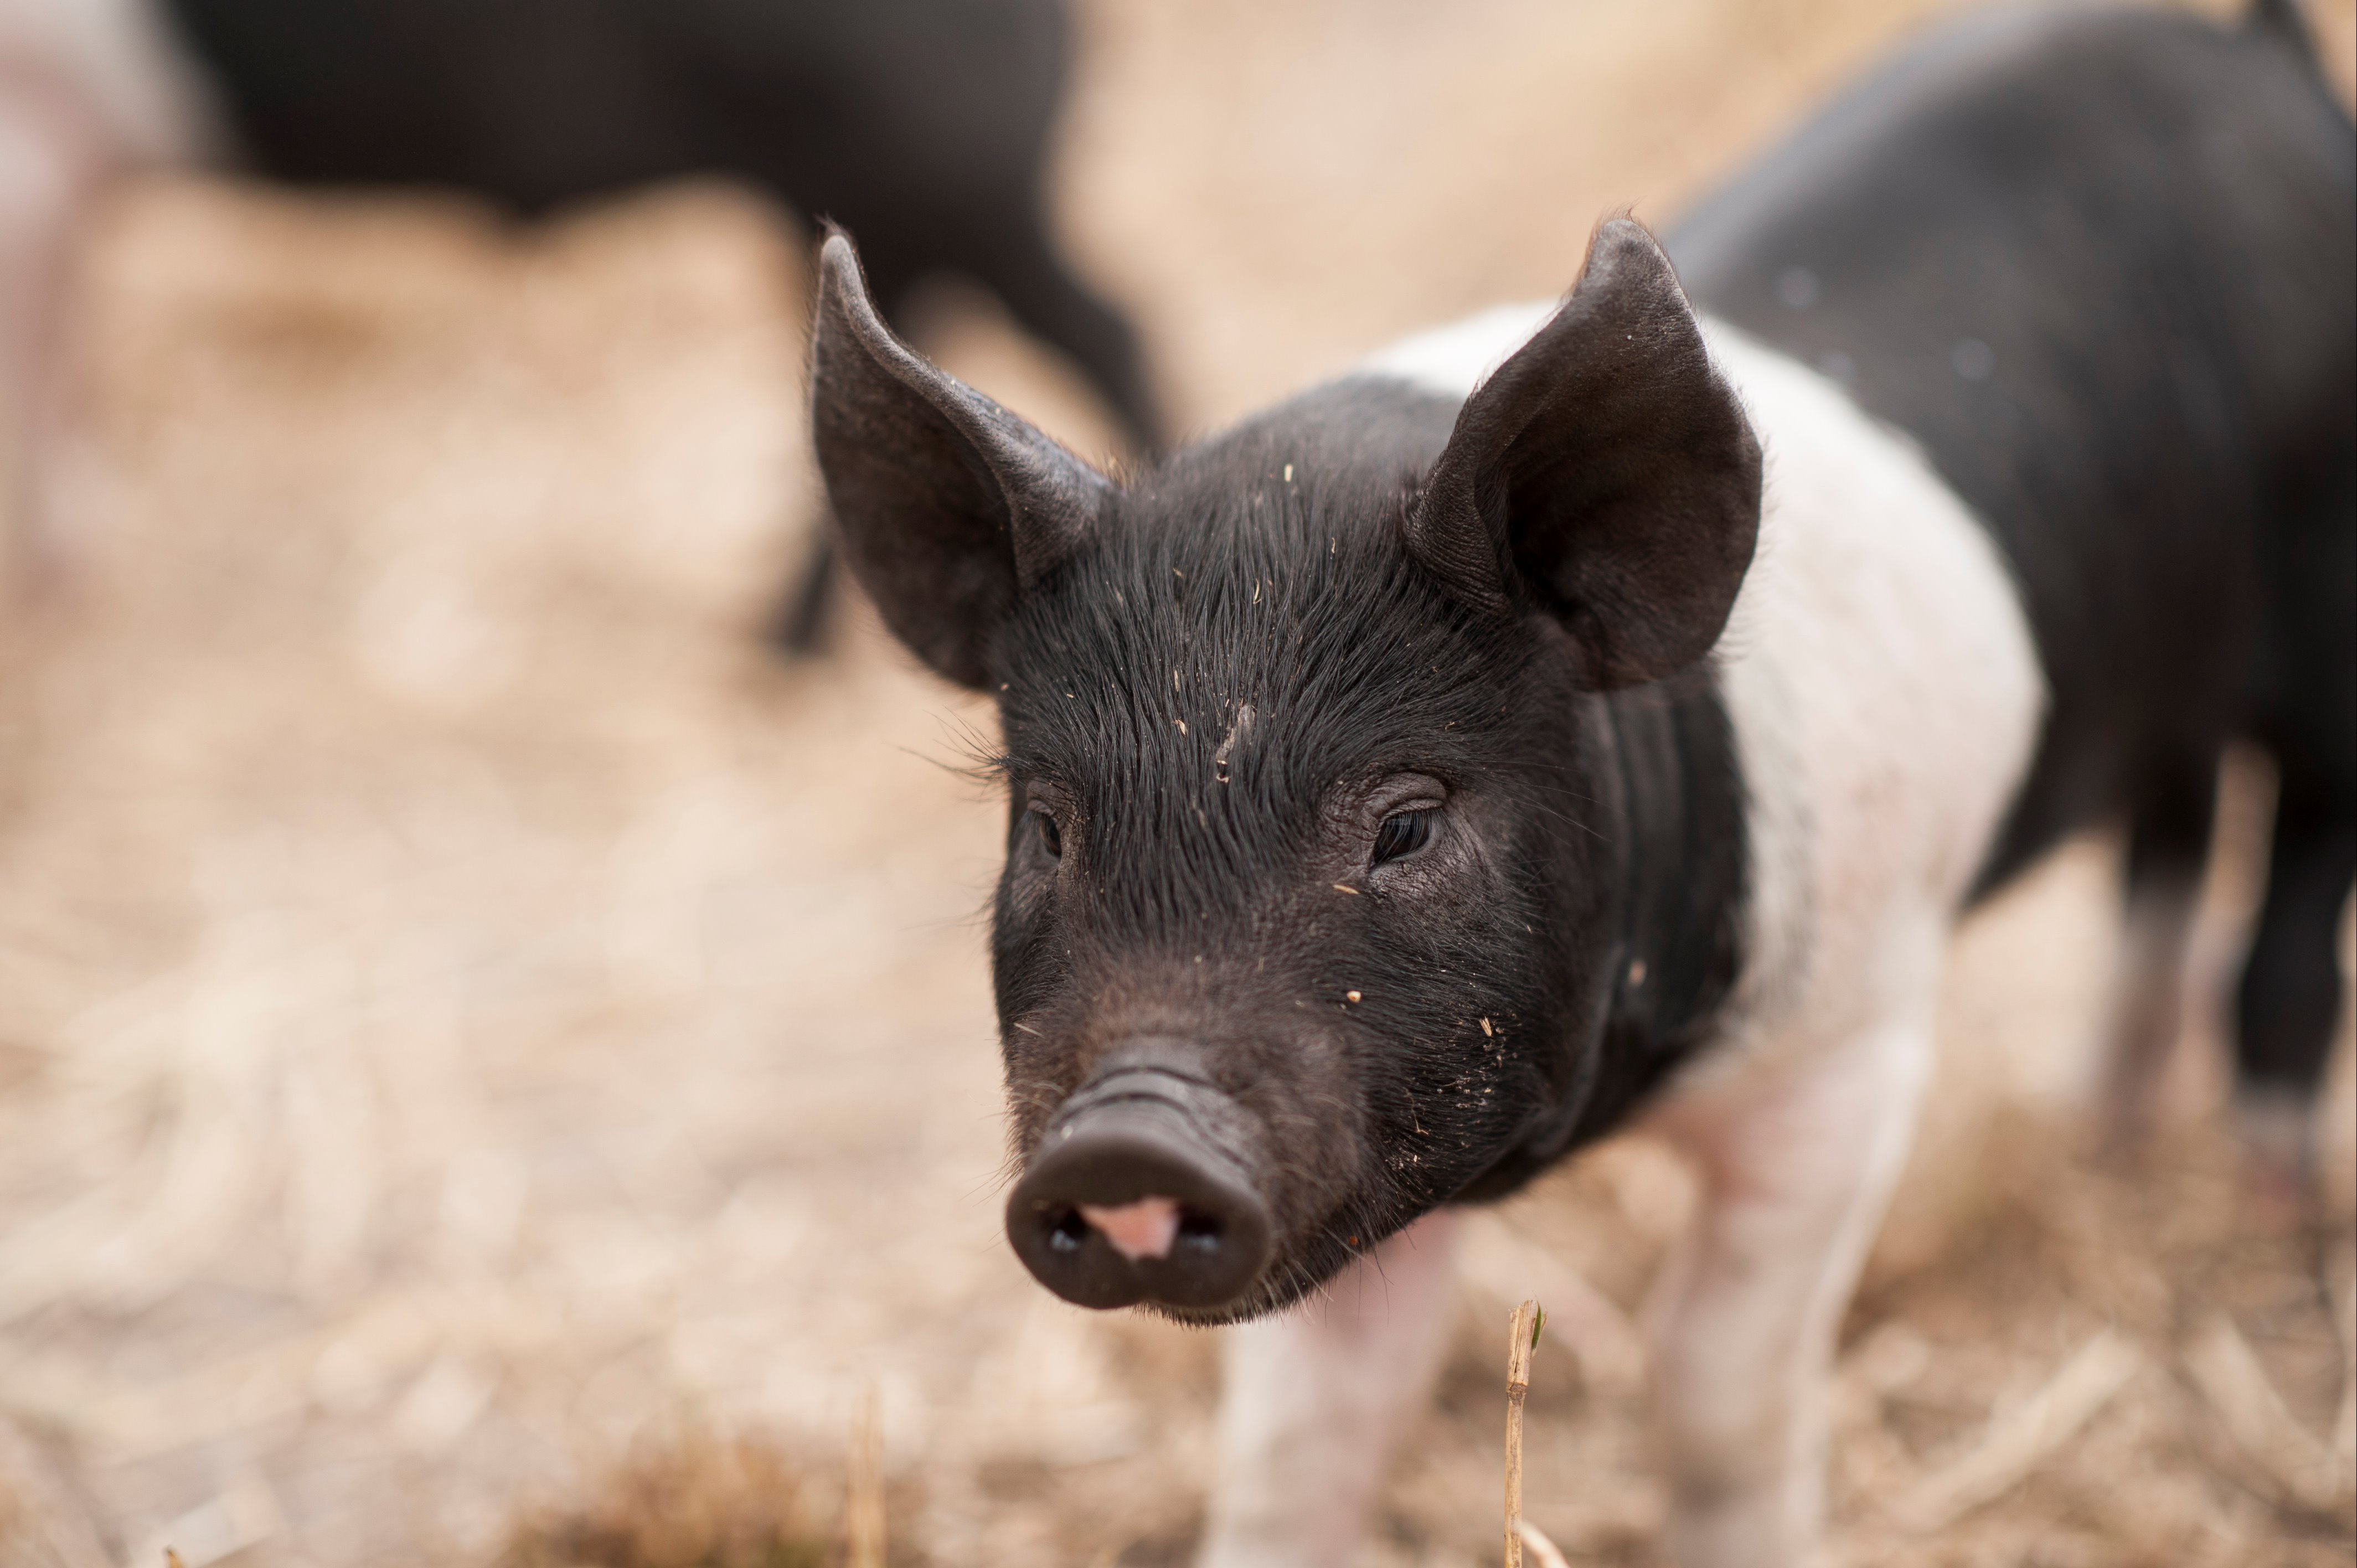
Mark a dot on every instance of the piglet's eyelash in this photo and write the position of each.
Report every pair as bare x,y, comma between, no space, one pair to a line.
1403,833
1051,837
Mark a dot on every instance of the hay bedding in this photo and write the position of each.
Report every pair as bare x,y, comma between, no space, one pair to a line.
490,1068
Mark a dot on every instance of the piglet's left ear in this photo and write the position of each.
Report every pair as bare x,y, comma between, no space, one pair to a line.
1604,475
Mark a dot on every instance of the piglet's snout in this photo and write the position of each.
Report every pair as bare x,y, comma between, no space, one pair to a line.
1130,1198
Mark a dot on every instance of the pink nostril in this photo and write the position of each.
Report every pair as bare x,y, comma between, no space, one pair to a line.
1142,1230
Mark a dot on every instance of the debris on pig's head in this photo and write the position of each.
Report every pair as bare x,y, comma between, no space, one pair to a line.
1311,871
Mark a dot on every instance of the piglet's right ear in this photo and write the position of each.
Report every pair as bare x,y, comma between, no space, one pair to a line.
949,506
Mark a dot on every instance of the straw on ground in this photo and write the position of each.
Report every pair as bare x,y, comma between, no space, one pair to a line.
1521,1342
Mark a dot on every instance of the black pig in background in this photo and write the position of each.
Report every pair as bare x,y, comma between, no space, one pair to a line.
924,124
1602,711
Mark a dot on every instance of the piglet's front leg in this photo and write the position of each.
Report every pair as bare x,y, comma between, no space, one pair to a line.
1797,1162
1313,1400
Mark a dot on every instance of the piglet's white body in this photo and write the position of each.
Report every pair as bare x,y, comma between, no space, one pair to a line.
1885,696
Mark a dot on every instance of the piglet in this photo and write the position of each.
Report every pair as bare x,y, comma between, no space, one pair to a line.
1597,713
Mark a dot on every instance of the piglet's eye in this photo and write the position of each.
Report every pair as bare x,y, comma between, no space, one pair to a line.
1051,837
1403,836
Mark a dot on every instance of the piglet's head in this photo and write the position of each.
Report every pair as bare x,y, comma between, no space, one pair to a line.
1311,879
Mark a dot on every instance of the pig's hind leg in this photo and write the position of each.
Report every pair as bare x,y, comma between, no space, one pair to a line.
1796,1164
2290,1003
1312,1400
2168,840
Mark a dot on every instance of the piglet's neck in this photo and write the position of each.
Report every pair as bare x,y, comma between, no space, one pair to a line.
1669,765
1682,887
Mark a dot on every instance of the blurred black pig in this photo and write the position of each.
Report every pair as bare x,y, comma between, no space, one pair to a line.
923,124
1601,710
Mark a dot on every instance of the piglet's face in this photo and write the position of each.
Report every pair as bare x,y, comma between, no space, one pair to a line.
1301,921
1273,876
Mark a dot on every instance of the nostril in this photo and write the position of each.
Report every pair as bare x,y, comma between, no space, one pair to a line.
1069,1233
1201,1231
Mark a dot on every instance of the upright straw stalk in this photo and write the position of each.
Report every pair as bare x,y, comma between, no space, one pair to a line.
1522,1341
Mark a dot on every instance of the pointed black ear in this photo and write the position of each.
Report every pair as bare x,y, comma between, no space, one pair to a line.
1604,475
949,506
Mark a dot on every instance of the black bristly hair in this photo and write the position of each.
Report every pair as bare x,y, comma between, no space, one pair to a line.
1222,585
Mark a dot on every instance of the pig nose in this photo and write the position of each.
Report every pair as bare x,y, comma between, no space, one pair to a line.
1128,1201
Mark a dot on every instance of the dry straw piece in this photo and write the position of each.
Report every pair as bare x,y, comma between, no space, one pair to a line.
2017,1440
1521,1342
863,1502
2227,1371
1545,1553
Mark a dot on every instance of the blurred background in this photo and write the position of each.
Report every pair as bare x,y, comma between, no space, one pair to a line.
497,1065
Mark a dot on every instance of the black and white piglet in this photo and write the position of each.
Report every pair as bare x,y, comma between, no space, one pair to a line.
1601,710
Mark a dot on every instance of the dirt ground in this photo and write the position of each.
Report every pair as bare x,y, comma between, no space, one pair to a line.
484,1050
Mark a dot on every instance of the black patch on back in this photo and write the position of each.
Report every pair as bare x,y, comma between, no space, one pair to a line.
2103,268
